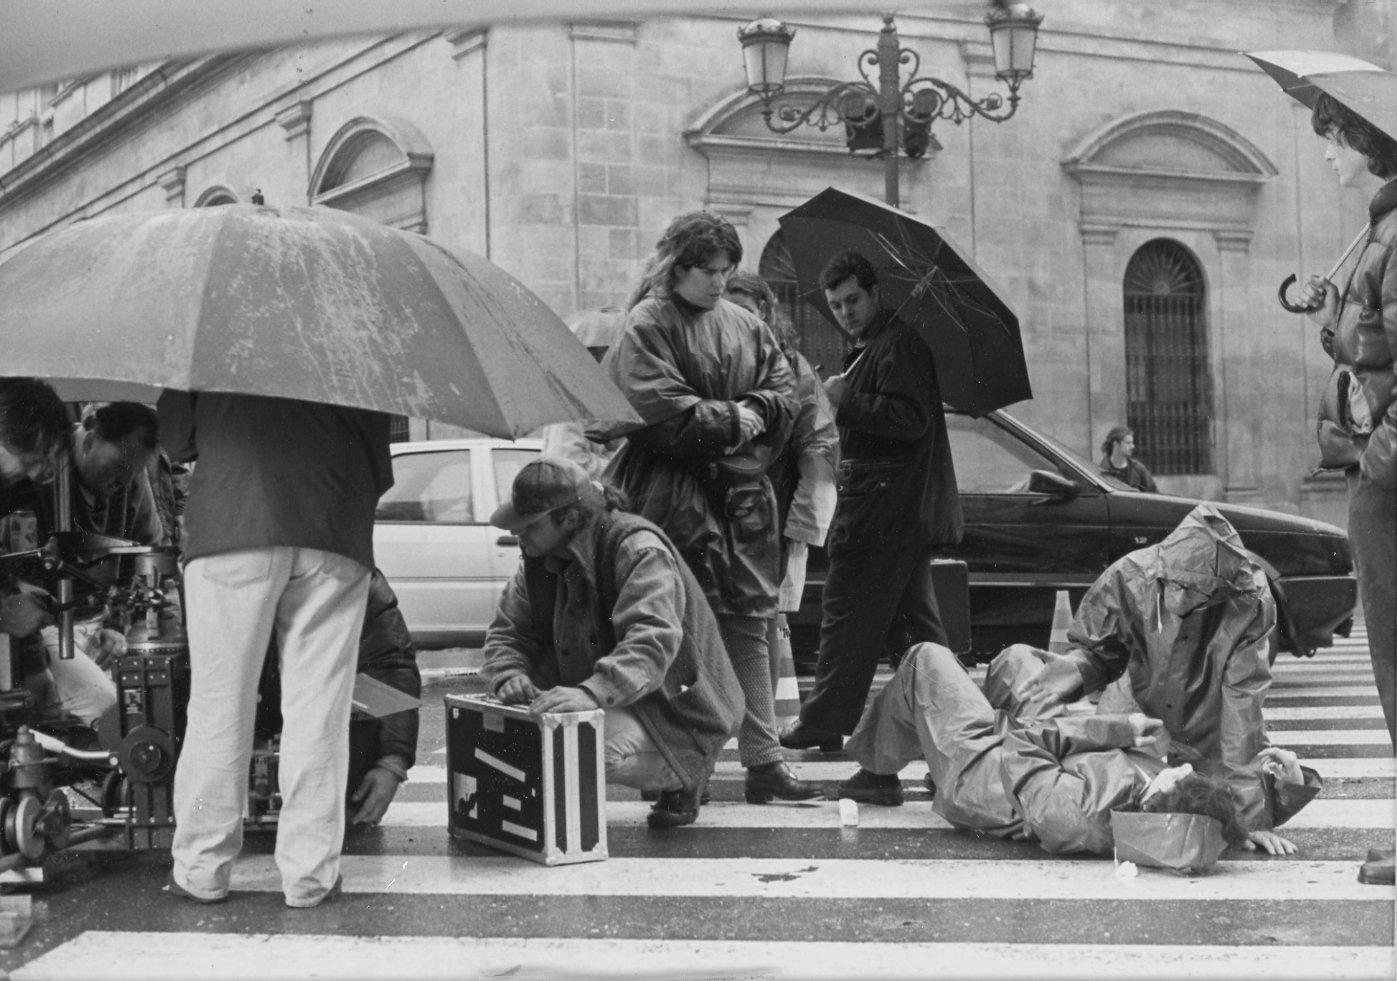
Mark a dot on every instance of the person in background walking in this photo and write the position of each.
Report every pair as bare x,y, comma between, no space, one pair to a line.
897,501
718,397
1118,460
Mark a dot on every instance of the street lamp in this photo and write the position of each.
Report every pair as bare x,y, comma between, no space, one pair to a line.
890,116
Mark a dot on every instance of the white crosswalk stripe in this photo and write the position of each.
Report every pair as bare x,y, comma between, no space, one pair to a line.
785,890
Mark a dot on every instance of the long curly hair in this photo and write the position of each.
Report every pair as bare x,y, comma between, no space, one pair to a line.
1113,437
1331,116
690,240
1200,794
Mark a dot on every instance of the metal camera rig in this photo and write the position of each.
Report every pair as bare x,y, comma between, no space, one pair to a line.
58,790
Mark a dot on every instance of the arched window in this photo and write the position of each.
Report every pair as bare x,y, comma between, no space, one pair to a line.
1167,377
822,343
376,167
215,196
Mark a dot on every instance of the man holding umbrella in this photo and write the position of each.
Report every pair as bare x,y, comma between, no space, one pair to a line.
897,500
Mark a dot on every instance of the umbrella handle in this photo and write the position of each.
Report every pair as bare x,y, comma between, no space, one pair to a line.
1294,307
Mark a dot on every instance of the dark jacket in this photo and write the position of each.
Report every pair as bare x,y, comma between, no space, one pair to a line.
1361,395
276,471
624,618
897,483
386,654
1134,473
684,370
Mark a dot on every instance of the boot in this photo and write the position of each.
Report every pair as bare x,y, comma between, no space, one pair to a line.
1378,870
767,781
868,787
675,808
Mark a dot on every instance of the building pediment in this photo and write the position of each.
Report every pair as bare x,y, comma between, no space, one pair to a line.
1167,169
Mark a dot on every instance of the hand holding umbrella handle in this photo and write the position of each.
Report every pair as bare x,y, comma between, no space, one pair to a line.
1334,271
1295,307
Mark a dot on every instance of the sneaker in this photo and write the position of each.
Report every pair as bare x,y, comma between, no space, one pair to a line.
867,787
179,892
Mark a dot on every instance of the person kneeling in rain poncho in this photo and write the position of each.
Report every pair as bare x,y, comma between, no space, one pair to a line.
1183,630
1056,780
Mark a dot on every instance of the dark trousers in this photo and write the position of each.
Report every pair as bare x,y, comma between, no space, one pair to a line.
876,600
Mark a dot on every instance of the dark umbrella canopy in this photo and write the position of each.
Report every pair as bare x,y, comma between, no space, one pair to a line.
1360,86
308,303
929,282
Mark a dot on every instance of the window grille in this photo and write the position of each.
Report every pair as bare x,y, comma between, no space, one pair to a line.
1168,382
822,343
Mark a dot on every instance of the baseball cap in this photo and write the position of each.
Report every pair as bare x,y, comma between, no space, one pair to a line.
543,485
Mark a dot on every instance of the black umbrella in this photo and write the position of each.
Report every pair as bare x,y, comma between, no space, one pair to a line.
927,281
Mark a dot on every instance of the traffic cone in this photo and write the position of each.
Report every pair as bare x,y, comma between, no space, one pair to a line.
1062,620
783,671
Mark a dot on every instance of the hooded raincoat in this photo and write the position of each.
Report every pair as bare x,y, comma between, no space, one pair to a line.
684,370
1185,625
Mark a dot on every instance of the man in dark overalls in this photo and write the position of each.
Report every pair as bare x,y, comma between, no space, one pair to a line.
897,501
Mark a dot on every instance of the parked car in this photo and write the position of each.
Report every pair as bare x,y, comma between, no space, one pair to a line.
433,539
1040,518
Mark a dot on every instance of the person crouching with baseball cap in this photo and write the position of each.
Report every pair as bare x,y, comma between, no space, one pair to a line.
603,613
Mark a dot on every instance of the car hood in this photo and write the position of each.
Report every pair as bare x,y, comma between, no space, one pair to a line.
1287,544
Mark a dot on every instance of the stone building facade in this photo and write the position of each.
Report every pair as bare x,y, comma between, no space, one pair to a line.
1140,209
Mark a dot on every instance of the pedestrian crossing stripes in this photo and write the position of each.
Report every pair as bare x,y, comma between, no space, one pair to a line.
828,878
206,956
786,891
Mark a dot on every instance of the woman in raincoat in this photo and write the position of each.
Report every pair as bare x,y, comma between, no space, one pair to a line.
717,396
1358,413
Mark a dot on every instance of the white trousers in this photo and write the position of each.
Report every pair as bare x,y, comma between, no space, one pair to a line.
314,600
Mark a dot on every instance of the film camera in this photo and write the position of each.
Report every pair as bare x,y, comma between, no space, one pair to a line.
110,785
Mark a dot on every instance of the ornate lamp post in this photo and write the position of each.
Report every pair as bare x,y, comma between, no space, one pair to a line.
890,116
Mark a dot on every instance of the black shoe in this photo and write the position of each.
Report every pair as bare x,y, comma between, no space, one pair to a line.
674,809
1378,870
768,781
798,735
867,787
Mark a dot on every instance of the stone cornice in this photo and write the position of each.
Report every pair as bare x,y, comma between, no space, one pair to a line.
295,119
159,87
